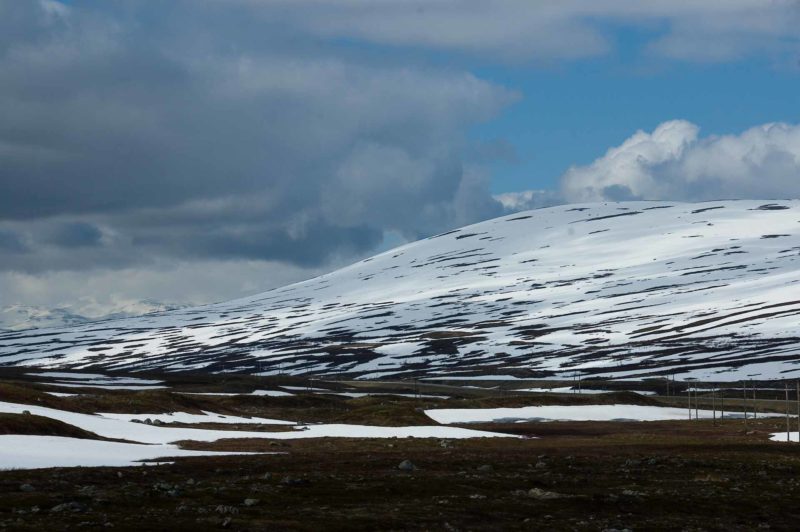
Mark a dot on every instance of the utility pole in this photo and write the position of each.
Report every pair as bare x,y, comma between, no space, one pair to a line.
696,400
689,397
713,405
786,389
755,414
744,393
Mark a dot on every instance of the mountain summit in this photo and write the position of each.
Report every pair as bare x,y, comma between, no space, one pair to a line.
709,290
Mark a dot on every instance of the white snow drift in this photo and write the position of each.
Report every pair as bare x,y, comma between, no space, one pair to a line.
34,452
46,451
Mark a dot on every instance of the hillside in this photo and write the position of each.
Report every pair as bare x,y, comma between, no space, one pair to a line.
619,289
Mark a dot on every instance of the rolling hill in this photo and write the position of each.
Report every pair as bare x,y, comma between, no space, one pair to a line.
708,290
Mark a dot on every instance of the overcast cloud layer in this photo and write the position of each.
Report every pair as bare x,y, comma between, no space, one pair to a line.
270,140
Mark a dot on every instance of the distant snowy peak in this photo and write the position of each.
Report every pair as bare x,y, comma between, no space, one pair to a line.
708,290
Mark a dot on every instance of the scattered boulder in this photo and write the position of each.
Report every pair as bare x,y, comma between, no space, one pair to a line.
72,506
486,468
251,502
293,481
540,494
406,465
27,488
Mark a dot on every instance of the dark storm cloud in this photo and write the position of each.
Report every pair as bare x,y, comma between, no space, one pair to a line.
11,242
197,129
75,235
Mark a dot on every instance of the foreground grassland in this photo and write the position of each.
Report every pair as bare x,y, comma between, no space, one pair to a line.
666,475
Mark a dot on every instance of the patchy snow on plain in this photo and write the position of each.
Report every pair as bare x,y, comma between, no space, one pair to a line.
67,375
93,378
570,389
390,394
205,417
781,437
569,413
105,386
36,452
119,428
264,393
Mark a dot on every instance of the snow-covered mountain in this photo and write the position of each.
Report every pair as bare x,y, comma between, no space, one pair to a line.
707,290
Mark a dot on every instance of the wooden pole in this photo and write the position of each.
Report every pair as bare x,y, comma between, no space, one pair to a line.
786,390
755,414
689,397
744,393
714,405
696,399
722,404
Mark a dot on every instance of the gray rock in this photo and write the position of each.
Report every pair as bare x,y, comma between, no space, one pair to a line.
293,481
27,488
486,468
71,506
537,493
251,502
406,465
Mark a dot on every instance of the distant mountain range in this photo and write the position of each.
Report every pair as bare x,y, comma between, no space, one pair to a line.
620,290
21,317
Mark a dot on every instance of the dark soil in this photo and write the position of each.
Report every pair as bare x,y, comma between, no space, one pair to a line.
678,475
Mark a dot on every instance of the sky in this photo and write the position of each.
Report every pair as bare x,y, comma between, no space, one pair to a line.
193,151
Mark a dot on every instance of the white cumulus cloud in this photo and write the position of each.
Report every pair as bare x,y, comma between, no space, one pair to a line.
675,162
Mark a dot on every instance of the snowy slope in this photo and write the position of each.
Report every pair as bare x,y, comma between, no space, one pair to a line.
708,290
